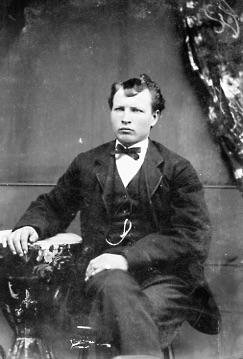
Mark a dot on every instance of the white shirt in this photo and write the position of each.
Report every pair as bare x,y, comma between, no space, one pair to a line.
126,166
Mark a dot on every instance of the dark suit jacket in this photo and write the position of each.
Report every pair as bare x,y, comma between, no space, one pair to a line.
180,241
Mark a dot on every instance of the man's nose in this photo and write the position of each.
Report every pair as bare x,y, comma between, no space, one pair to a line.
126,117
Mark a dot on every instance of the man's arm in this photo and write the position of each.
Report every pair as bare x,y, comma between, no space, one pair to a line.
50,213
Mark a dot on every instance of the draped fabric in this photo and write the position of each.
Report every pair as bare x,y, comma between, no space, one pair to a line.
213,40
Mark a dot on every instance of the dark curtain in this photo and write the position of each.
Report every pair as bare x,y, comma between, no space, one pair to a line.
213,42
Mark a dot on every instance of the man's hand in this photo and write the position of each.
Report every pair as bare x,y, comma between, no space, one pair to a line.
17,241
105,261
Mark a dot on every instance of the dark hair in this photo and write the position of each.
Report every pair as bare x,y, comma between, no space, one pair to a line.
135,85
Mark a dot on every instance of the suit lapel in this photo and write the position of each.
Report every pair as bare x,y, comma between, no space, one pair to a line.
152,165
104,169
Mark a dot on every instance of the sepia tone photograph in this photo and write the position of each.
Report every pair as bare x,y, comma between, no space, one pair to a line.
121,179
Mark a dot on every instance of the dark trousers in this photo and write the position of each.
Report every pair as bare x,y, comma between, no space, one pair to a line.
129,317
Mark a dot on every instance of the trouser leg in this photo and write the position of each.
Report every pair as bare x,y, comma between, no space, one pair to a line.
121,313
170,301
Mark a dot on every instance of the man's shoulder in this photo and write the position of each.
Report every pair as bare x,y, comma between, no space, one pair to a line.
177,167
96,152
169,155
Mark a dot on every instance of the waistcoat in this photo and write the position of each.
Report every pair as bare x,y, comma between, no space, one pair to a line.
129,210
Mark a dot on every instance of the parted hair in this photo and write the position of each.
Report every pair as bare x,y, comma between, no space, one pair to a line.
135,85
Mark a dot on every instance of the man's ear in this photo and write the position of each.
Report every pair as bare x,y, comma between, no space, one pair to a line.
156,115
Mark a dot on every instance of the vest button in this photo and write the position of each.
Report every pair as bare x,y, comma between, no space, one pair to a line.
124,196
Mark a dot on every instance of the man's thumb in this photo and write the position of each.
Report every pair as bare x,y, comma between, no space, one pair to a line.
33,236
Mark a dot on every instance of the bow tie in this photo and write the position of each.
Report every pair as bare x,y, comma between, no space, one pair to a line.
132,151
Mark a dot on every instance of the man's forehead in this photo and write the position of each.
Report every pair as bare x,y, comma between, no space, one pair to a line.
131,96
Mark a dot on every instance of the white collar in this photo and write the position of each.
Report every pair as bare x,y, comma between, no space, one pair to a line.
127,167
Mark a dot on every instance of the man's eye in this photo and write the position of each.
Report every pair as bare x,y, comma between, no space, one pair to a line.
119,109
136,110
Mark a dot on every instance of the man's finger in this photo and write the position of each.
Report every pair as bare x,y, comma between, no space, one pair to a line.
16,240
89,271
4,241
11,245
96,271
24,240
92,273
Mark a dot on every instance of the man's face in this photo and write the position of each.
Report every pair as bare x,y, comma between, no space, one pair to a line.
132,117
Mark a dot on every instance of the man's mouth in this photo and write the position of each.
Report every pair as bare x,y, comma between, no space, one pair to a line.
125,130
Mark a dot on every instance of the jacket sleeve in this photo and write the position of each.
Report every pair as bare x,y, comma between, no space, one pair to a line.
186,239
52,212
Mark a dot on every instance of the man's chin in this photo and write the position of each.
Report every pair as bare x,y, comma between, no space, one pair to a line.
127,140
127,144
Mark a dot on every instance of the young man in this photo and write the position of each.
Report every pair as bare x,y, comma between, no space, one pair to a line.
145,228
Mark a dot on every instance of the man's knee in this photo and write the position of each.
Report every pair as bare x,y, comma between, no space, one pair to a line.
170,301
